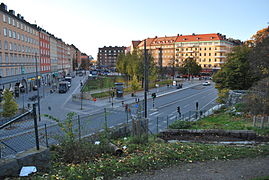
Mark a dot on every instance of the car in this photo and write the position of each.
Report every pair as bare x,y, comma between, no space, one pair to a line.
207,83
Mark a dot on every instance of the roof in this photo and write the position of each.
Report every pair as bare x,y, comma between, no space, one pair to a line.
200,37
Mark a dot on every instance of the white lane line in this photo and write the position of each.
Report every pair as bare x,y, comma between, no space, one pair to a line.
186,106
173,117
168,104
153,113
209,102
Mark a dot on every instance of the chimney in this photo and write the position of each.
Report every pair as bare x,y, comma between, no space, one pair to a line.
12,12
22,17
3,6
156,36
19,16
177,34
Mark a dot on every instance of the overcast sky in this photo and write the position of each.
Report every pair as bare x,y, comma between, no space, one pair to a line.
90,24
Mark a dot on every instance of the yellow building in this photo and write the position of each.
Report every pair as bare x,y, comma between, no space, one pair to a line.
209,50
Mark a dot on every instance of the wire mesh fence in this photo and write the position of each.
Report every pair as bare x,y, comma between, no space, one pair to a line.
21,135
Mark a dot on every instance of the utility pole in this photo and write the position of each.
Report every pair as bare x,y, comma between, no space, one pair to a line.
145,78
36,78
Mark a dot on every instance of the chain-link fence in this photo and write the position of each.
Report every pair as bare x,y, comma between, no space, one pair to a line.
21,135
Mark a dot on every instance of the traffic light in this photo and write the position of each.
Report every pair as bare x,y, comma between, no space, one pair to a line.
153,95
178,109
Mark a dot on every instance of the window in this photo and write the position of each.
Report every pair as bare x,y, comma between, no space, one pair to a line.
10,46
18,24
9,21
4,18
13,22
22,37
5,31
204,54
6,45
209,60
0,60
10,33
6,58
209,54
14,34
210,48
18,36
0,44
205,49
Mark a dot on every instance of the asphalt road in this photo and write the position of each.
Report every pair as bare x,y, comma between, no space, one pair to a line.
21,135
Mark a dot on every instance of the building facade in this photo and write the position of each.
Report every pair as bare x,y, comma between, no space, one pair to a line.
107,56
44,50
26,48
209,50
19,49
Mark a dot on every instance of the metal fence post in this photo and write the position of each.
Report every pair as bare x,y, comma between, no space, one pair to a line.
46,136
105,119
35,125
167,123
157,124
79,130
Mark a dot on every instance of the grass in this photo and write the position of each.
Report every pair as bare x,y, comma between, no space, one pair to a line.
145,157
222,120
102,83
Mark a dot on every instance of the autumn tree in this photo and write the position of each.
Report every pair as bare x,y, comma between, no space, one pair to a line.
260,35
134,84
10,107
259,58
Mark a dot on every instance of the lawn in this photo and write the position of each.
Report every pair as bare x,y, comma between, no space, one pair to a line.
101,83
221,120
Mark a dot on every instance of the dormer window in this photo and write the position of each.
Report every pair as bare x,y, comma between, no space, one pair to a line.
197,38
184,39
211,37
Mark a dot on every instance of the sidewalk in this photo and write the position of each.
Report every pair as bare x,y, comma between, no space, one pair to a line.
209,170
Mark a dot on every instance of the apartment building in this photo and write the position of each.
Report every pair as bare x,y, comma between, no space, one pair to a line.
44,50
162,49
19,49
209,50
107,56
53,55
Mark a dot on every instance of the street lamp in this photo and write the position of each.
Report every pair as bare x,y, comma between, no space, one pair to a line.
36,77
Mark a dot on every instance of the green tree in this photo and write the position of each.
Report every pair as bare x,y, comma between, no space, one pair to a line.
236,72
10,107
134,84
191,67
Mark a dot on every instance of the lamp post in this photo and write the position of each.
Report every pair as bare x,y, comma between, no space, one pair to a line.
36,77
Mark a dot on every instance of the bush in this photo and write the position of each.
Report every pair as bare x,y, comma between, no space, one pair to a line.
181,124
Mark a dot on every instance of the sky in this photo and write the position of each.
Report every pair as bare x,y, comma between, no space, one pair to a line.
91,24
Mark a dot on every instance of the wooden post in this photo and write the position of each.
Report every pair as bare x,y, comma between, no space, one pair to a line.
262,121
254,121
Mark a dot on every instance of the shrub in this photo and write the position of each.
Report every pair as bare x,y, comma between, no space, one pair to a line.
181,124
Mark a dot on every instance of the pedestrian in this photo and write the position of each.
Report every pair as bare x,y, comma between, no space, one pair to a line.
122,103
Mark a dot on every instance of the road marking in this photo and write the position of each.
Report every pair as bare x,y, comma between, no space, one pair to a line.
209,102
173,117
168,104
186,106
153,113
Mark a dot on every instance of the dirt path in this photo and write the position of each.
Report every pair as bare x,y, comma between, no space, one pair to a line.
210,170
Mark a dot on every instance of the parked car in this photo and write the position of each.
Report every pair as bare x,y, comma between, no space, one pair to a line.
207,83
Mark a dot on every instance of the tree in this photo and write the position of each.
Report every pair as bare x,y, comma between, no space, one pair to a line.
10,107
260,35
236,72
134,84
190,67
259,58
257,100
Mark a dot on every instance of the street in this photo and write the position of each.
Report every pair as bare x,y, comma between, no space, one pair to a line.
92,117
